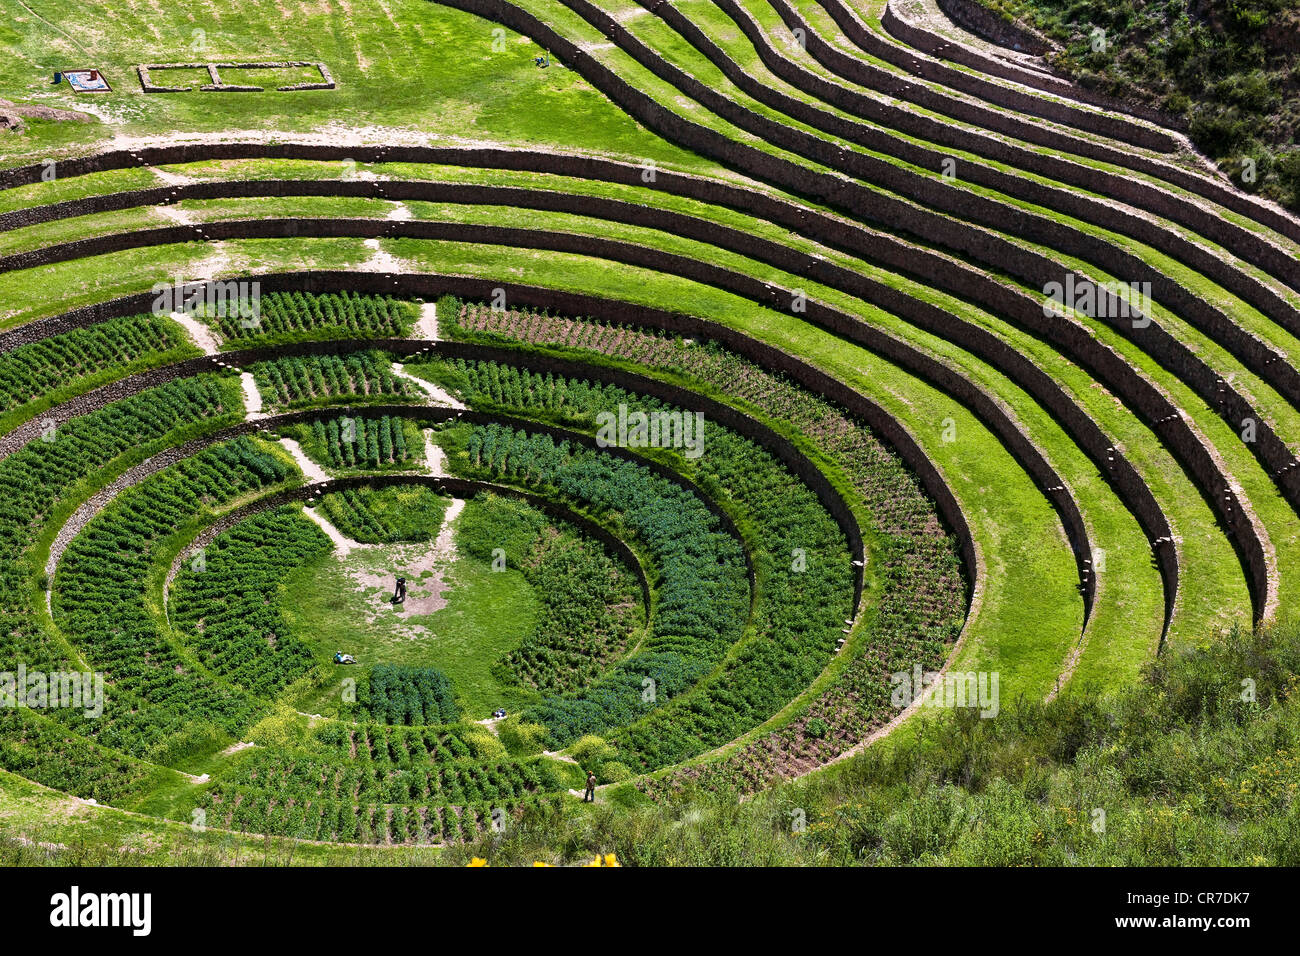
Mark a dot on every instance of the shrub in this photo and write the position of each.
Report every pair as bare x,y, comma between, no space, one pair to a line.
282,728
614,772
1288,172
521,739
485,744
591,751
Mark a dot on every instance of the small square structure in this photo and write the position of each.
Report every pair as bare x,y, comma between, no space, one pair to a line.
87,81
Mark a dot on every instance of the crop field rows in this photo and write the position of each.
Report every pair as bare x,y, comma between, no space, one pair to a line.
991,377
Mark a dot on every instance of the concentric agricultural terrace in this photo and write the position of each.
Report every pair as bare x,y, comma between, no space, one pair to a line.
909,460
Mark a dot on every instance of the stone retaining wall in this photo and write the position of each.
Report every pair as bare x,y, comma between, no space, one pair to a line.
429,286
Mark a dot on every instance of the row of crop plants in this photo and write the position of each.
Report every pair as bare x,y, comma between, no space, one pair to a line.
224,600
918,611
400,694
47,752
29,371
798,550
590,602
392,514
169,708
302,316
304,775
294,381
360,442
387,743
32,482
368,823
377,784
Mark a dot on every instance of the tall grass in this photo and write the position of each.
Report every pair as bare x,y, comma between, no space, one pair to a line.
1199,763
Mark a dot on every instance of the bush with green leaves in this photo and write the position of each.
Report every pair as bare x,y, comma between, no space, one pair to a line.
591,751
1229,69
485,744
495,524
521,739
614,772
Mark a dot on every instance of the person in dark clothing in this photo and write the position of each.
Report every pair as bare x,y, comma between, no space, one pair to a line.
399,591
590,795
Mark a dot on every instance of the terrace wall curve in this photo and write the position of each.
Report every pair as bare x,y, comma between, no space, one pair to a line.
1028,315
1250,246
171,456
430,286
1122,128
1090,437
776,444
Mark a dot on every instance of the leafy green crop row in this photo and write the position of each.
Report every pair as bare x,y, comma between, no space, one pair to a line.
302,380
28,371
590,601
158,706
397,694
302,316
361,442
396,513
224,601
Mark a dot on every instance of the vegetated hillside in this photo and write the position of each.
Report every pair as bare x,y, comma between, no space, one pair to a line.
1229,68
1194,765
